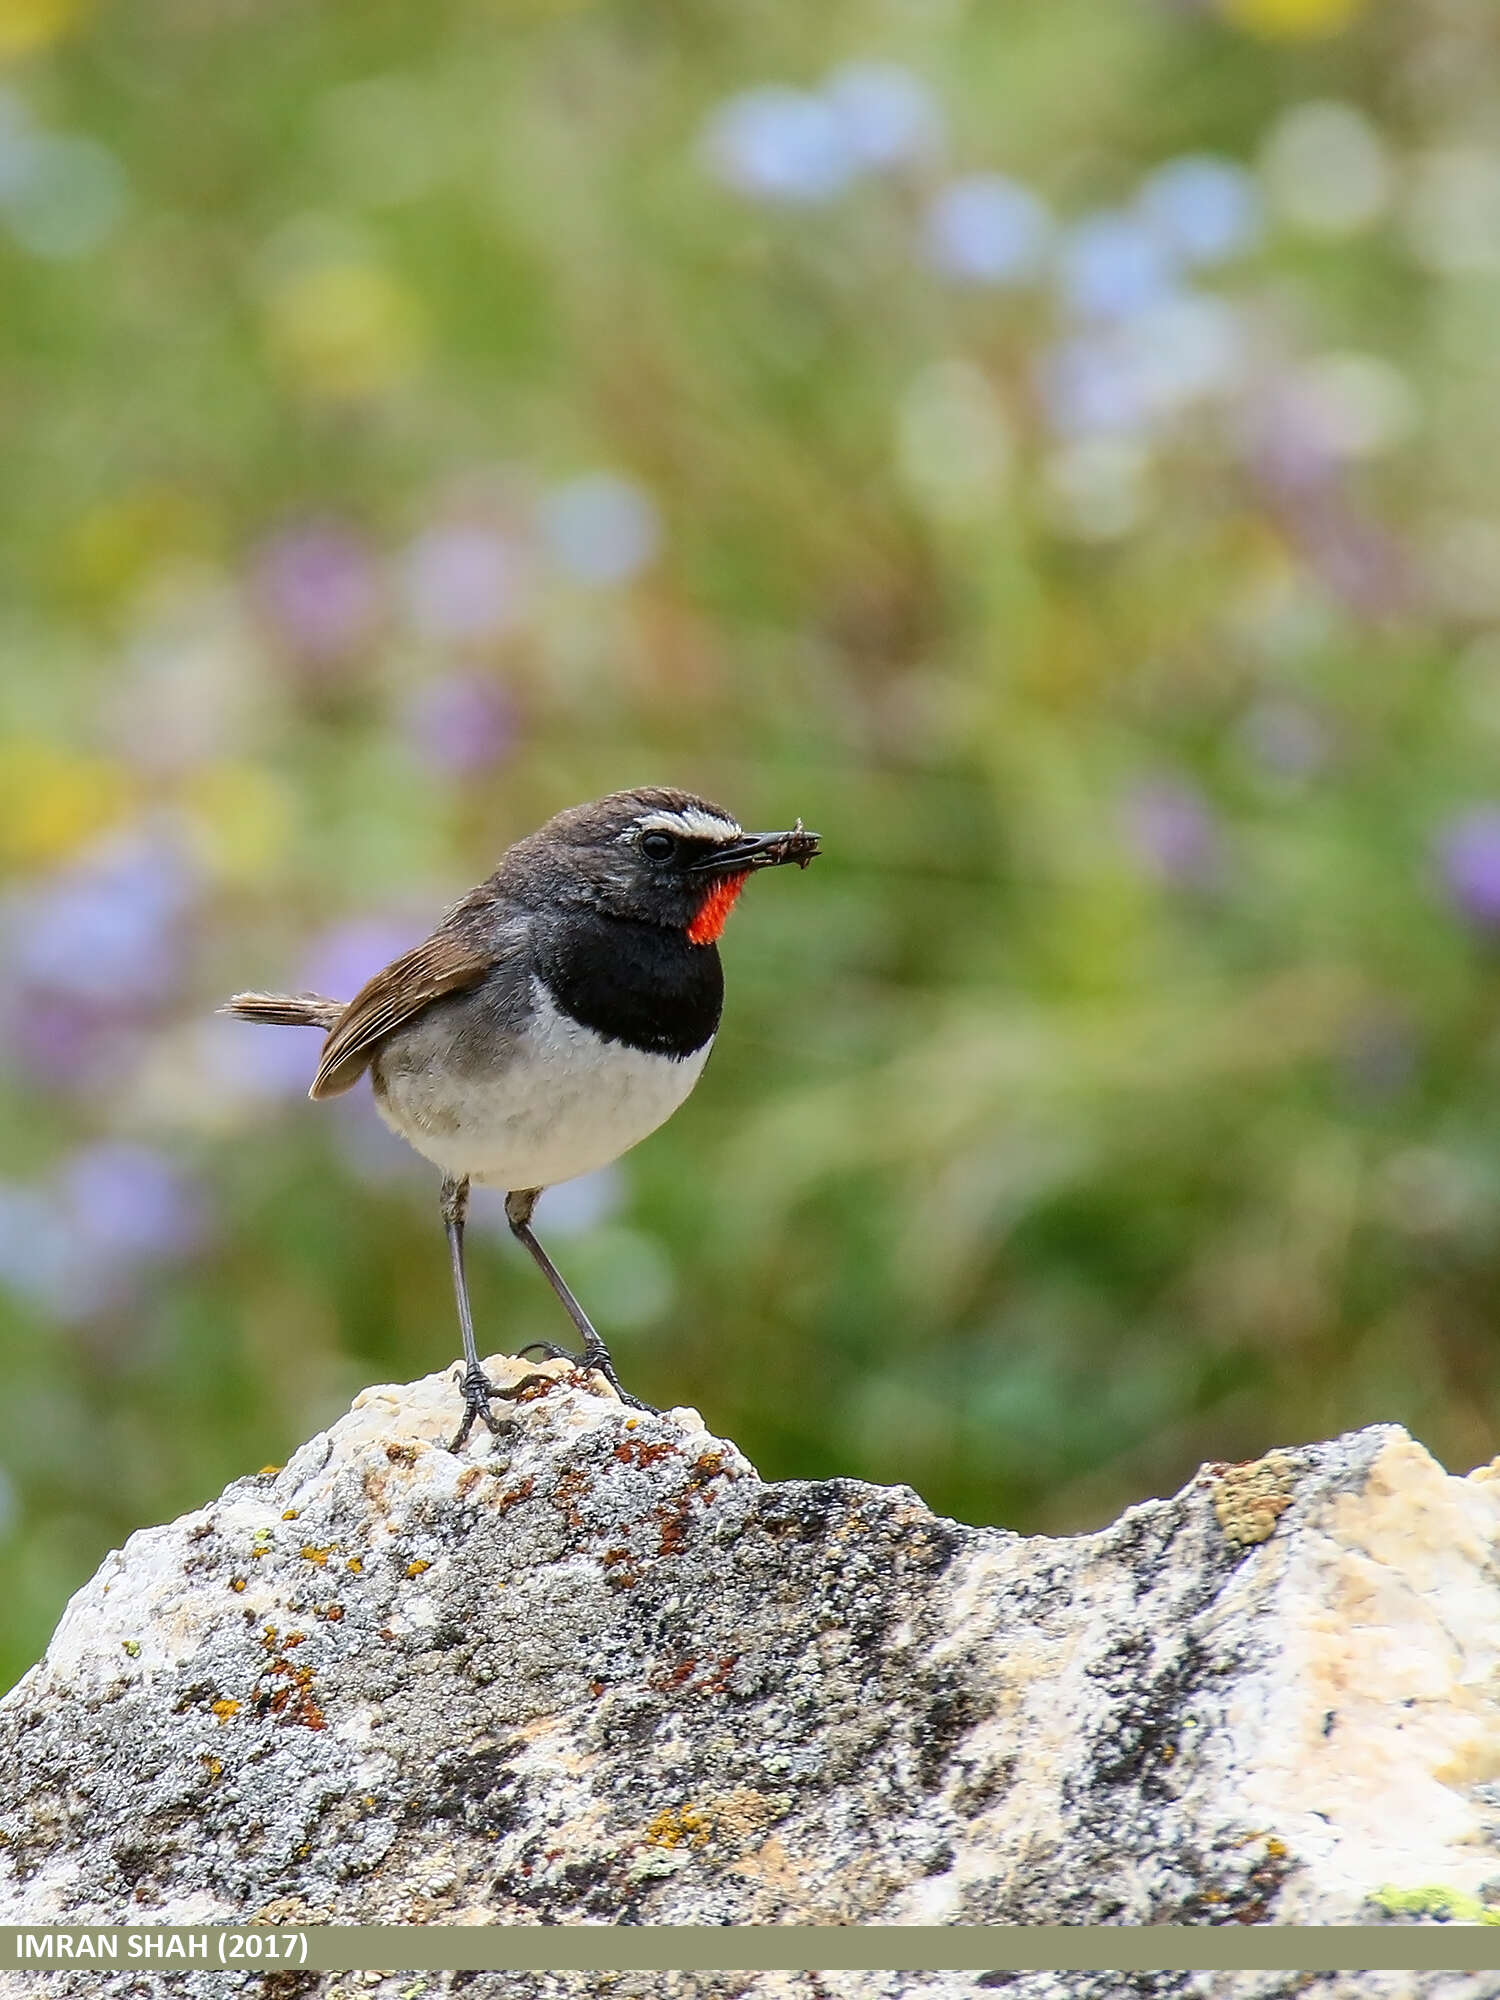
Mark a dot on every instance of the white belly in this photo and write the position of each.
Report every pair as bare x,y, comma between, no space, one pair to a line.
567,1103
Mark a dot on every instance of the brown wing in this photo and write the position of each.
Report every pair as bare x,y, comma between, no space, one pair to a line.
446,962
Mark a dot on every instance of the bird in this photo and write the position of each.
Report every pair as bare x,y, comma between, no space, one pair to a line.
559,1013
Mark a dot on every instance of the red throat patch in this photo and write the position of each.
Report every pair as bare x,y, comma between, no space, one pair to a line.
713,913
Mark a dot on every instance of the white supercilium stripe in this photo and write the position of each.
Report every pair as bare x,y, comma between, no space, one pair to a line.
691,823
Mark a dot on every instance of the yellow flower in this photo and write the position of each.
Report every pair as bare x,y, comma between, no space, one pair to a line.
115,542
344,331
31,24
241,816
53,800
1291,20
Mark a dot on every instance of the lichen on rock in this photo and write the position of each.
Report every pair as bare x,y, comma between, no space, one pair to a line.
595,1669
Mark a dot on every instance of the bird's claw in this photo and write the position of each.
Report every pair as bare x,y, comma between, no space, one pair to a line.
478,1389
597,1358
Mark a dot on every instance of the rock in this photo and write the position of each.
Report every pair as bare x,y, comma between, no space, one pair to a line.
596,1670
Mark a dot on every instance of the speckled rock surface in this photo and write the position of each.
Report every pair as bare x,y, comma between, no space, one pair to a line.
595,1670
759,1985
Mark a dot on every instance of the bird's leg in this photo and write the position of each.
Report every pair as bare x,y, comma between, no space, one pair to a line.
477,1386
518,1211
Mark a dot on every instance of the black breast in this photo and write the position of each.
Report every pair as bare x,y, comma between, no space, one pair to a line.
633,983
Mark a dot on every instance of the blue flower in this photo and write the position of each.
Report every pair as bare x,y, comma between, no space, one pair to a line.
888,116
1205,209
986,230
779,144
601,528
1110,265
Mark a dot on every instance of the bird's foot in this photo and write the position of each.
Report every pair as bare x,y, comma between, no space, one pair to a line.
477,1389
596,1356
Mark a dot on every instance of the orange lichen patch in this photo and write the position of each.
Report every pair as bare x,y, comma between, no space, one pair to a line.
319,1556
513,1496
636,1451
416,1568
225,1709
283,1689
713,912
679,1826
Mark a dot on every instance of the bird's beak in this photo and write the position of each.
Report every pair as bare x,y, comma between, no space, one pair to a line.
759,850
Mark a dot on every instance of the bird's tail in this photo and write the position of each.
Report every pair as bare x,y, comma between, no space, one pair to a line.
286,1010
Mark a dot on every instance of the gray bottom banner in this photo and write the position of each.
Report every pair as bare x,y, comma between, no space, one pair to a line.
867,1948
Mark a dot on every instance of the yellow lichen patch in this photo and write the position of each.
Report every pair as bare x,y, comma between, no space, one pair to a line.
267,1471
356,1565
214,1767
1436,1900
225,1709
679,1826
416,1568
236,1583
1250,1499
314,1555
291,1513
1276,1850
132,1647
740,1815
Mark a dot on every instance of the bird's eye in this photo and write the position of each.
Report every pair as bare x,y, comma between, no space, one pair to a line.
660,846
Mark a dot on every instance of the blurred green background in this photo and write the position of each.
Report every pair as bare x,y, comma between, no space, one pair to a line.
1053,447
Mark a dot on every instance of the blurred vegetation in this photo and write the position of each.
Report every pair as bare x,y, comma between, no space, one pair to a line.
1052,447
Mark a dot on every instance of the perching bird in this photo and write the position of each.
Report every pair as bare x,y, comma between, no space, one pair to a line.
557,1015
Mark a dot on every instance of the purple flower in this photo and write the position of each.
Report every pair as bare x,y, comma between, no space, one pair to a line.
103,931
82,1246
65,1043
246,1061
987,230
317,587
131,1204
1110,265
600,529
1469,860
460,724
349,954
1092,386
1173,832
777,144
465,580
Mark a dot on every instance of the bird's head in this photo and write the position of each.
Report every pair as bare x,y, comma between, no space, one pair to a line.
654,856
